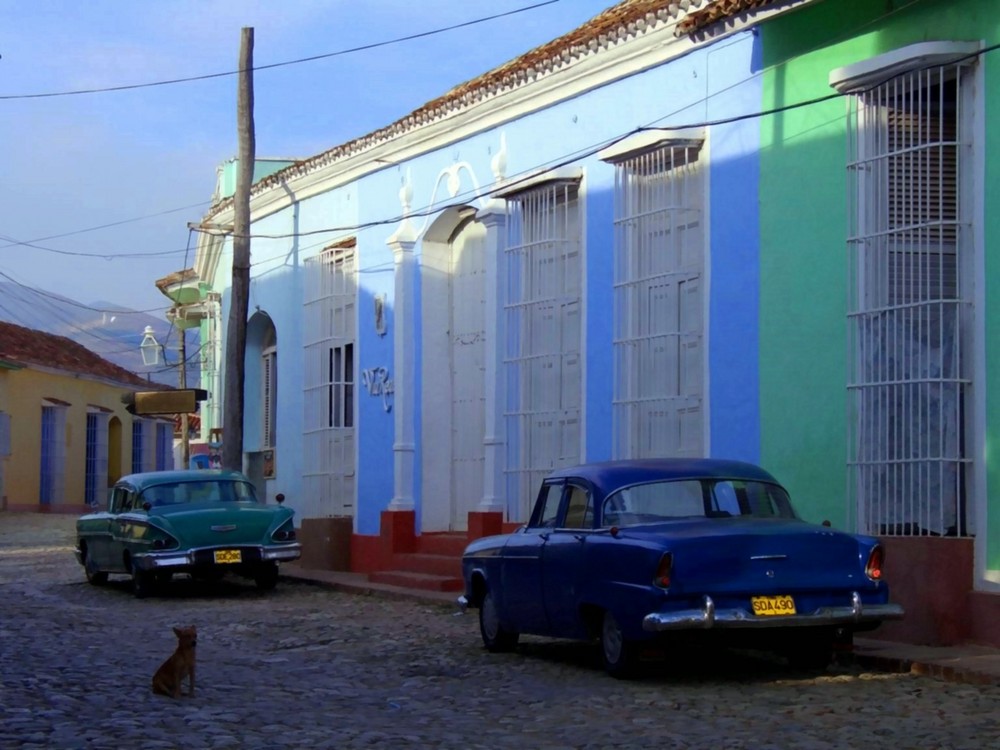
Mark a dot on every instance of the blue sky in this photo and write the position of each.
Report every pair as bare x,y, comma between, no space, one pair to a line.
70,163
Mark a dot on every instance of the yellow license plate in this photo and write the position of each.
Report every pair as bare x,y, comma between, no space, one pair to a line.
227,556
769,606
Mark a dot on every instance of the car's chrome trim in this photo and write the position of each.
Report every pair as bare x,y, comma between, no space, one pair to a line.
176,559
710,617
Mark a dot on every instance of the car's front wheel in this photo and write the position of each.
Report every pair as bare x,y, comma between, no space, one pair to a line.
266,576
95,577
618,654
496,638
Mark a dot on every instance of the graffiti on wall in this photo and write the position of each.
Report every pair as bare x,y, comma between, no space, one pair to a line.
376,381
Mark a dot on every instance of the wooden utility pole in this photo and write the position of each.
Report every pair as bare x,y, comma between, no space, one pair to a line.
236,333
185,423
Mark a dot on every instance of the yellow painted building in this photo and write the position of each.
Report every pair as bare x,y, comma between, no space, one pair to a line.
65,435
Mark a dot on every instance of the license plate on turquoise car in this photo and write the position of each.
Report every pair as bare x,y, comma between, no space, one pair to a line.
228,556
770,606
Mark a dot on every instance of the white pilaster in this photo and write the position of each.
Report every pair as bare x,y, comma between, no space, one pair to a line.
494,217
402,243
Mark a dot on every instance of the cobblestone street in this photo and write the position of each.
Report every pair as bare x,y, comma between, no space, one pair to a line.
305,667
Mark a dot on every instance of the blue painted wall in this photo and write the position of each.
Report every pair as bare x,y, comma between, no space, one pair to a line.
701,86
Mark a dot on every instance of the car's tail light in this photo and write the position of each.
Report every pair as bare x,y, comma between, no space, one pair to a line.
165,543
285,533
874,567
663,571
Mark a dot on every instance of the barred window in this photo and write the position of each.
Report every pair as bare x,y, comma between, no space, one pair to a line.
543,333
328,419
910,299
658,320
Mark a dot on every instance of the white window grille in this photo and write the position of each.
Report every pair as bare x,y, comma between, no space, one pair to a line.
909,308
658,317
328,433
269,396
543,337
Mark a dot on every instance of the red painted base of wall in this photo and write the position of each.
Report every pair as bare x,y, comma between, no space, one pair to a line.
397,534
984,619
932,578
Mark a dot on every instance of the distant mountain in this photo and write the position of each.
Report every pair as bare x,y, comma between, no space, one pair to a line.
110,330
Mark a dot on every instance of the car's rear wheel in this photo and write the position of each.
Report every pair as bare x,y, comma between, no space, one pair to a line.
95,577
143,583
496,638
617,653
266,576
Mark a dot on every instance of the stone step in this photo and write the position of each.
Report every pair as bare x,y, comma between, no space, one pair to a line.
438,565
443,543
422,581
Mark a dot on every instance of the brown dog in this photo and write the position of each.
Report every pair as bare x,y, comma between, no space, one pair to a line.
180,664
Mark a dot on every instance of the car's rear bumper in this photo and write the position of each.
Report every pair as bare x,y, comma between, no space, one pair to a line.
710,617
201,557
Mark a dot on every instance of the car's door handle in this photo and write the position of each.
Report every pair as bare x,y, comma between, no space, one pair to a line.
580,537
544,536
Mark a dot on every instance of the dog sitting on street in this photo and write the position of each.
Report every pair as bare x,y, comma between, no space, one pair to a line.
180,664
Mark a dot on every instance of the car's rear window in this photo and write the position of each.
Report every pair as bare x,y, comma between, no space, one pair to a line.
179,493
692,498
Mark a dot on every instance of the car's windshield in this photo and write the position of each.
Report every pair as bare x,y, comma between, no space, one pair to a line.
177,493
706,498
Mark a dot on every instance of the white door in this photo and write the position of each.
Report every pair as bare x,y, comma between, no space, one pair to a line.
467,345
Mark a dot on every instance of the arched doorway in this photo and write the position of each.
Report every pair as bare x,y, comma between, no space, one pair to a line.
454,336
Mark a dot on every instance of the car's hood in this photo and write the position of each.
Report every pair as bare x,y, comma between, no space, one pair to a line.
731,552
211,524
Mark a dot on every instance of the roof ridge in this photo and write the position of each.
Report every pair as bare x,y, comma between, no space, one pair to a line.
623,20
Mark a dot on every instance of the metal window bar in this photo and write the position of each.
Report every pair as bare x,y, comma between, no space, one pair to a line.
138,427
270,397
543,330
46,488
328,419
90,462
164,446
658,262
908,306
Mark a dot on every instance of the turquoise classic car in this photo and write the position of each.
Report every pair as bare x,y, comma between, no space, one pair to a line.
201,522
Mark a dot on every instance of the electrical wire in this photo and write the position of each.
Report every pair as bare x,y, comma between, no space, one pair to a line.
312,58
112,224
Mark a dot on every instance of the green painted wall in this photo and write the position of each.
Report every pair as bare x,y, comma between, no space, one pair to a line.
803,201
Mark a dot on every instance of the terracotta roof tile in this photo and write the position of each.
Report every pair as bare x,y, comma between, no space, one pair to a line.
718,10
27,346
630,18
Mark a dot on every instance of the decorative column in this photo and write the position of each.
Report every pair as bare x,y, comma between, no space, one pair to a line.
488,518
402,243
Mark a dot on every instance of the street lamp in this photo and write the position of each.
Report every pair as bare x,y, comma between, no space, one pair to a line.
152,351
150,348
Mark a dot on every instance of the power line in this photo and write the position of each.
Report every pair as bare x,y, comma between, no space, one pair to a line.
112,224
312,58
79,304
105,256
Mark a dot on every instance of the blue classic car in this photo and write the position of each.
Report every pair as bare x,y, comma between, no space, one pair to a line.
201,522
652,552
